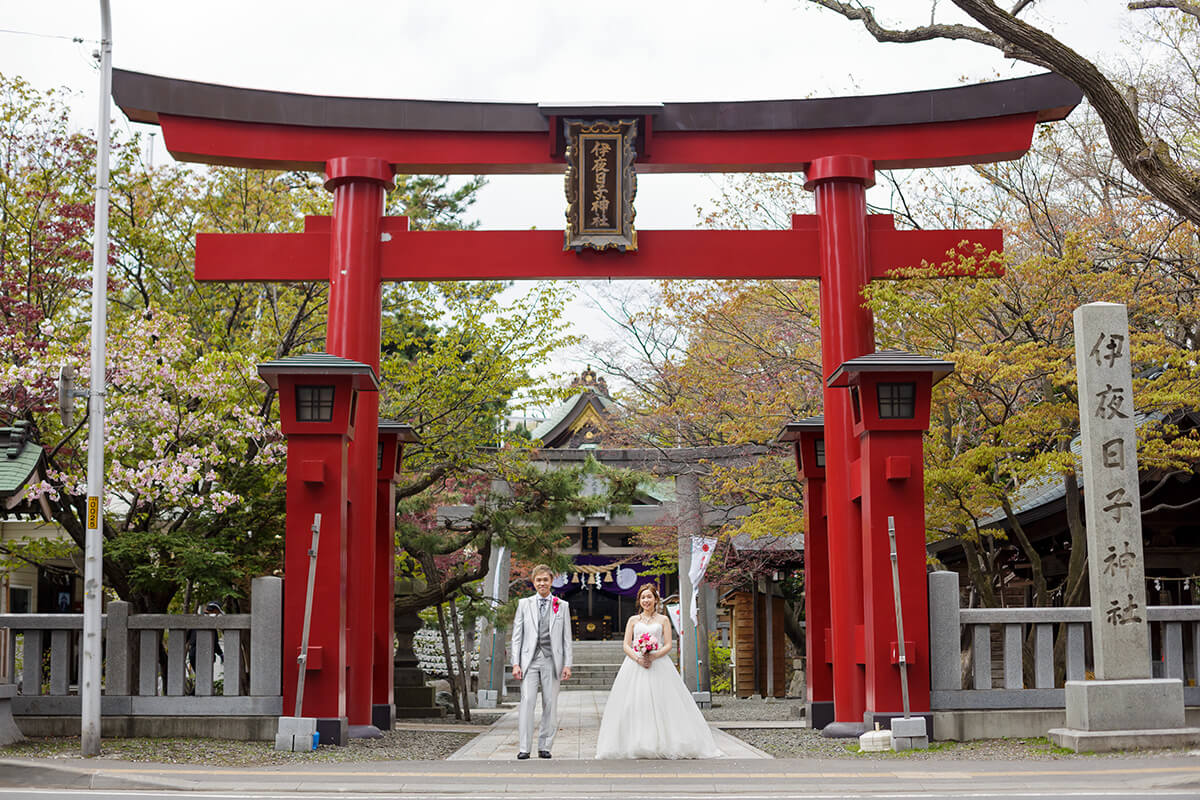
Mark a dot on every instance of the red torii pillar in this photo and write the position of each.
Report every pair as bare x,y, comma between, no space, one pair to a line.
808,443
847,330
355,307
392,438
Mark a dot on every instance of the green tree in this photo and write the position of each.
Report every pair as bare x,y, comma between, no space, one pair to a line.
525,514
194,485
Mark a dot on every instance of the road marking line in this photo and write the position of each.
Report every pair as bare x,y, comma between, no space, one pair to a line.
559,775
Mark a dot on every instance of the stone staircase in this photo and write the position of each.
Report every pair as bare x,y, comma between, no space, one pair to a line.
596,665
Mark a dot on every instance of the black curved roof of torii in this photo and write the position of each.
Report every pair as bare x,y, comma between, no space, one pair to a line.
143,97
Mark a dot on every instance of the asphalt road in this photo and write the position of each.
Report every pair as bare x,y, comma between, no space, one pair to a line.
576,794
99,779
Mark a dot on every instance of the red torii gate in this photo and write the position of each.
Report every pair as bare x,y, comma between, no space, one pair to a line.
360,144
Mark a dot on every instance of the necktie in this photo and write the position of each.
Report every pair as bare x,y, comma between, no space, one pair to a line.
542,605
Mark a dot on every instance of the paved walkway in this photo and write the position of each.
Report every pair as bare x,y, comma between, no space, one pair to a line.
579,715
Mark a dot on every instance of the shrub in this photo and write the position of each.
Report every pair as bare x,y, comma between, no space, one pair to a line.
719,666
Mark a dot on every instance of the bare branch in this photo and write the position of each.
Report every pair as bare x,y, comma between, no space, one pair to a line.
1149,162
1161,483
1178,5
924,33
422,482
1169,507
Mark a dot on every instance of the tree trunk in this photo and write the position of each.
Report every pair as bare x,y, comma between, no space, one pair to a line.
1076,582
981,580
1041,596
187,596
793,614
449,661
463,673
1077,566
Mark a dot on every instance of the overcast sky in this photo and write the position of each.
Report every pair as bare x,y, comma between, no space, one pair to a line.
522,50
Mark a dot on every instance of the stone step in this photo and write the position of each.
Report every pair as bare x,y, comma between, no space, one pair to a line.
603,653
583,677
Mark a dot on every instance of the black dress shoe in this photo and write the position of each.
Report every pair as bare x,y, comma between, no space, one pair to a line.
543,754
522,756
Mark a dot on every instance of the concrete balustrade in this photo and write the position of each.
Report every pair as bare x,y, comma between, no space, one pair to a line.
134,683
951,625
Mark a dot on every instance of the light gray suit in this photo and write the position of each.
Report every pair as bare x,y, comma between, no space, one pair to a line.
540,671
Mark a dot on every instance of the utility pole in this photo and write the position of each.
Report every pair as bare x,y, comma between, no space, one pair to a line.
93,565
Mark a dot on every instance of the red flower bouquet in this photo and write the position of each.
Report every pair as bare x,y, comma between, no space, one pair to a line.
645,644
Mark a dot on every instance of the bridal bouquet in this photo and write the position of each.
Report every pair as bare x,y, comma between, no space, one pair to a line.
645,645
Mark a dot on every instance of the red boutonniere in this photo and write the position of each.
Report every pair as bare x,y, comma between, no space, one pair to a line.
554,605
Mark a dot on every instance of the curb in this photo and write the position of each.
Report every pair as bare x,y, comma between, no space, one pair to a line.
37,775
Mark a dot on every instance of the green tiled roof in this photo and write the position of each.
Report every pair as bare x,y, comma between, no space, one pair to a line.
568,410
19,460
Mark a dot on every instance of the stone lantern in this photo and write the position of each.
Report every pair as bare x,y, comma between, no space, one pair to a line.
318,395
808,442
889,405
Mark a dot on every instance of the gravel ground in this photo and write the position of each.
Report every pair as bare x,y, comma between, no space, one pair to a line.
410,745
804,743
394,746
477,718
727,708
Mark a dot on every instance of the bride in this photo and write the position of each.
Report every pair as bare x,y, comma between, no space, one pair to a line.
650,713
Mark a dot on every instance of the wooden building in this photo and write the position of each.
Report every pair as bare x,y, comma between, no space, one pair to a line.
749,623
758,612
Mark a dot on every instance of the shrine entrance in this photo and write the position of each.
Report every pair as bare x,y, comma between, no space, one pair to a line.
839,143
596,613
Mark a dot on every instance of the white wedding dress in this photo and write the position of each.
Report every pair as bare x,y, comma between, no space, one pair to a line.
651,714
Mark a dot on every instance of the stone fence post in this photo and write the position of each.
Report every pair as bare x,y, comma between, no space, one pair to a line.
266,637
945,655
9,732
118,650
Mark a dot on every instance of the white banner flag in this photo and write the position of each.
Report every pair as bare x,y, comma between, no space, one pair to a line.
702,550
676,617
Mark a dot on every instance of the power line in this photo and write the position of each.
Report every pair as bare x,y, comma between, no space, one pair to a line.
75,39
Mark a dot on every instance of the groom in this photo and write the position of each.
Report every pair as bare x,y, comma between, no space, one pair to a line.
541,653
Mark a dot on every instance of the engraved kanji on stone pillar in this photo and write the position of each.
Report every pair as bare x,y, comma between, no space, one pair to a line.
1120,634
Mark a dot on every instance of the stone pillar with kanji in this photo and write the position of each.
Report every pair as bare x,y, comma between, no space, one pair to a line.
1124,707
